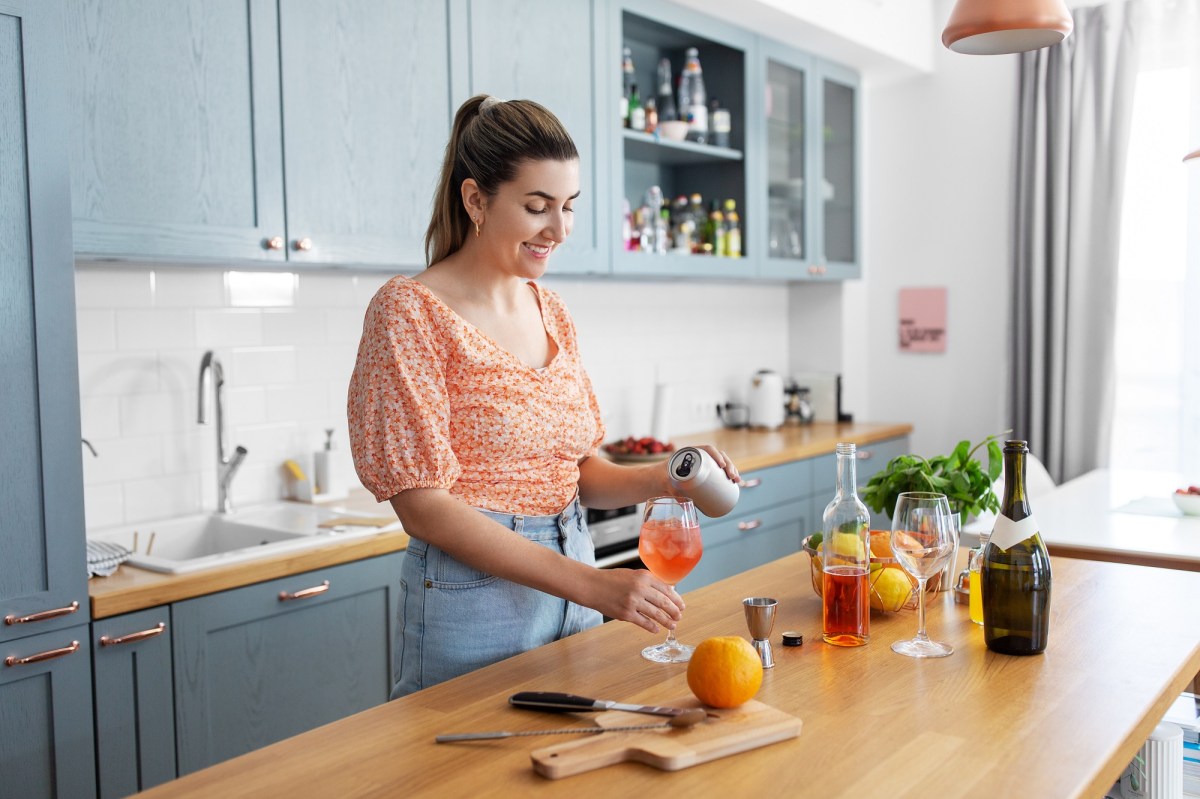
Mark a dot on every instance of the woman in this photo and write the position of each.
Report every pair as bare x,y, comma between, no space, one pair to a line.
470,411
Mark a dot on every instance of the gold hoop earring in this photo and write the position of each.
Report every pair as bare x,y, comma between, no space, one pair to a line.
476,221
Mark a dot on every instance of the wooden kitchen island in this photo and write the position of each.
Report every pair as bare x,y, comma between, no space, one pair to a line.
1124,641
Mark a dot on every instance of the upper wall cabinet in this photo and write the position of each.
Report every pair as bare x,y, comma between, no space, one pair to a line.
810,141
547,51
716,171
248,130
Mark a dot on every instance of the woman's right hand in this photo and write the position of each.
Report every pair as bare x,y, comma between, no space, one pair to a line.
638,597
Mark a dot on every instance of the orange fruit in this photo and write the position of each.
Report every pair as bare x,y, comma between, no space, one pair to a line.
724,671
881,544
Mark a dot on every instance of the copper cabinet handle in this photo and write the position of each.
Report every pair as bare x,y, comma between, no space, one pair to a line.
284,596
42,616
134,637
753,482
864,454
274,243
753,524
304,244
13,660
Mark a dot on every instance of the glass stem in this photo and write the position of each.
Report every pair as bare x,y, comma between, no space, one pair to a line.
921,609
671,632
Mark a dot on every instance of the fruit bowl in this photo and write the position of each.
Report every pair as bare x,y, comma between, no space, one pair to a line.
638,450
884,596
1187,501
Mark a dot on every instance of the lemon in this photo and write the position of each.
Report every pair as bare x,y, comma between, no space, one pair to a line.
849,545
890,589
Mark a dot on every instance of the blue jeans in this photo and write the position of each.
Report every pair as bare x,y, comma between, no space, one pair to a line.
455,619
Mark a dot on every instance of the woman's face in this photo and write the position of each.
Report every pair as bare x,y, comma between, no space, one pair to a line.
530,216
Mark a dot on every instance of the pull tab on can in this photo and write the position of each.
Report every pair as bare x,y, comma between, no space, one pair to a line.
696,475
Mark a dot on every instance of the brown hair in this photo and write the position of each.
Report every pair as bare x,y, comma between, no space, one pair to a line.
490,139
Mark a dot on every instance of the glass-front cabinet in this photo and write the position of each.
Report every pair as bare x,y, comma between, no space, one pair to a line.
699,177
809,138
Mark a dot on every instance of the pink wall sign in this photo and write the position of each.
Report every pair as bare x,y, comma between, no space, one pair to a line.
923,320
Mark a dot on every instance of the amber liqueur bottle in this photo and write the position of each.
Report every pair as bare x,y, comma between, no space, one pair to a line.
1015,574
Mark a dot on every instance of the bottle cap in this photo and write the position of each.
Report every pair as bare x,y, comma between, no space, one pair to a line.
792,638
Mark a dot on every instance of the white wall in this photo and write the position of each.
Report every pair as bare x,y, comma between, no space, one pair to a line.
938,165
288,357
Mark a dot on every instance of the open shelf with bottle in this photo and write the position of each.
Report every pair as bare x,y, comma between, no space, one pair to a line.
681,168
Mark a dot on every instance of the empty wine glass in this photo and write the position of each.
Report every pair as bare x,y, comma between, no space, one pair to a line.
923,539
670,545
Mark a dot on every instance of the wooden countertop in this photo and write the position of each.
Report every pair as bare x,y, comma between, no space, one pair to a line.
131,589
1124,641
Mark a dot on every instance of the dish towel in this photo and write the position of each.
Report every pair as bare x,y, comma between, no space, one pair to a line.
103,557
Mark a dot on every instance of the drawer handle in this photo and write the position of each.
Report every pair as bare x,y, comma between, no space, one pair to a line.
753,482
274,243
284,596
133,638
303,245
864,454
753,524
12,660
45,614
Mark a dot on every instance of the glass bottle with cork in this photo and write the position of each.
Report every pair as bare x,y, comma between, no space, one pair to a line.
1015,573
846,559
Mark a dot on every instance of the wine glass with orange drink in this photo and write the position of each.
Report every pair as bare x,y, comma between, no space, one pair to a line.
670,546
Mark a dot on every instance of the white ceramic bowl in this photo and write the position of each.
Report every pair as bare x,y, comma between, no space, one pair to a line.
673,129
1188,503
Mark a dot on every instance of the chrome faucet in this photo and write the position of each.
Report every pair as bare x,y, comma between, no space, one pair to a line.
211,371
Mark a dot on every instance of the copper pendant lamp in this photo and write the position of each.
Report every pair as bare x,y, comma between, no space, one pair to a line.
1194,154
992,27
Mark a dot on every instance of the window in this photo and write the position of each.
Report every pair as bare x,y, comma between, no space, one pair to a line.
1156,417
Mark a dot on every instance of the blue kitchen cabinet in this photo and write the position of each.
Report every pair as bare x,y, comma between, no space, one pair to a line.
768,523
46,739
135,712
246,130
809,167
653,29
258,664
550,52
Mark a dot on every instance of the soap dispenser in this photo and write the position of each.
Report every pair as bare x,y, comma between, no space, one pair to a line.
328,482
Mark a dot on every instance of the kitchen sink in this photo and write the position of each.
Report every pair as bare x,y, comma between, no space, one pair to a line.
189,543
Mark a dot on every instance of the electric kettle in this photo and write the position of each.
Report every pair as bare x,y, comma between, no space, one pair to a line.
765,400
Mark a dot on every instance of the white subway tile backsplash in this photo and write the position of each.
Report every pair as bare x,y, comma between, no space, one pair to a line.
228,327
294,328
156,414
189,288
96,329
155,329
106,287
161,498
118,372
287,369
261,366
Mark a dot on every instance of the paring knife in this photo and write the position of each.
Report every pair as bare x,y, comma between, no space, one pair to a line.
547,700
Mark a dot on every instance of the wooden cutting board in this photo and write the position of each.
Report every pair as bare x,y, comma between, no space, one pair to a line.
726,732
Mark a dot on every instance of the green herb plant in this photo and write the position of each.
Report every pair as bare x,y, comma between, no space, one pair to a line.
958,475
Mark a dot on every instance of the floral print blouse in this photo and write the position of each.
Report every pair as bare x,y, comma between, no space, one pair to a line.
435,403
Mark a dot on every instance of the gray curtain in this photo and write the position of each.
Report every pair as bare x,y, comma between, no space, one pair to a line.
1075,104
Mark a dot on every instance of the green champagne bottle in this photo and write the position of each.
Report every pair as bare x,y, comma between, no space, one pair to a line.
1015,574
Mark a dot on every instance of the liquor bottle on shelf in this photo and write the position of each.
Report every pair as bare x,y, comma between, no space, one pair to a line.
693,100
652,214
733,233
1015,574
651,115
846,560
714,233
627,81
684,226
721,123
666,93
662,232
626,225
637,113
696,211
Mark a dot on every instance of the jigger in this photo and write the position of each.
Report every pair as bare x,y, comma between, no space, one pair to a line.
760,618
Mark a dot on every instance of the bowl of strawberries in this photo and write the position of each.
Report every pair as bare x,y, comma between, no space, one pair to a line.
638,450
